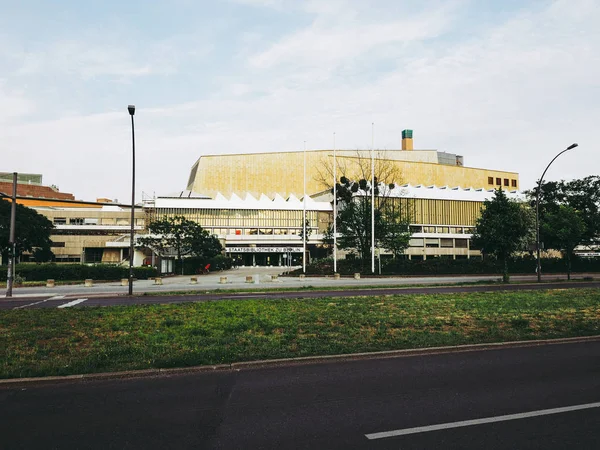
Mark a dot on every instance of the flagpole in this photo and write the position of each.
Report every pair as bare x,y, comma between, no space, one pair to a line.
372,197
304,217
334,207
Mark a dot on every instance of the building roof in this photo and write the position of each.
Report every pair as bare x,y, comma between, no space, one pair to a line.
249,202
448,193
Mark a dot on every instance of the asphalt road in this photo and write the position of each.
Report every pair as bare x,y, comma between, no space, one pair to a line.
326,406
52,301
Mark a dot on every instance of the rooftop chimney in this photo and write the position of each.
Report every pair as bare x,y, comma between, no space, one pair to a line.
407,140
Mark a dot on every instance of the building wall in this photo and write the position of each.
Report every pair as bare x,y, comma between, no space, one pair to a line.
282,173
34,190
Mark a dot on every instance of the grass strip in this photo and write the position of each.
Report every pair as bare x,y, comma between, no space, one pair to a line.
43,342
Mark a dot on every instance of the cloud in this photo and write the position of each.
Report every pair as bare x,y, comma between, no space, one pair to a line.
508,95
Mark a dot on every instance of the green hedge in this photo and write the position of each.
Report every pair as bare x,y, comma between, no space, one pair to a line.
439,266
72,272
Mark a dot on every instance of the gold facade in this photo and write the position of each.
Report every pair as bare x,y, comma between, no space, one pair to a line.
282,173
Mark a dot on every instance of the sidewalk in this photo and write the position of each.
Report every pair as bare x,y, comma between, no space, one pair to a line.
236,279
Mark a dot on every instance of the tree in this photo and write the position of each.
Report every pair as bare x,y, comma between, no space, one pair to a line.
355,216
504,227
32,230
354,196
583,195
564,229
182,237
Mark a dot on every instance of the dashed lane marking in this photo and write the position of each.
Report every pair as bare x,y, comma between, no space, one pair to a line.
467,423
73,303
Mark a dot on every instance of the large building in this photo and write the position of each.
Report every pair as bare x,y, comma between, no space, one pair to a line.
255,202
281,172
84,231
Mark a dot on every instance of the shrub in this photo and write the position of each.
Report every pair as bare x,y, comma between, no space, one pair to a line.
442,266
71,272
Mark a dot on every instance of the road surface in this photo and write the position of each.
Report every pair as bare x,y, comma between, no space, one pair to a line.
527,398
76,300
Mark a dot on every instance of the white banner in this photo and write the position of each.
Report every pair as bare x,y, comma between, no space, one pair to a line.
263,249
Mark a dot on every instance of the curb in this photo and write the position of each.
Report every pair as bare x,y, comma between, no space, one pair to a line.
287,362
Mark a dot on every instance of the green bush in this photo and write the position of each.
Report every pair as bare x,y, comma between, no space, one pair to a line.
72,272
442,266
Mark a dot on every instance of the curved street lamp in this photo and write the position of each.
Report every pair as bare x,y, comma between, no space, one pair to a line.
131,109
537,212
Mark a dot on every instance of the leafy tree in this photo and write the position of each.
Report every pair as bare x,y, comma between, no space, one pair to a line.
354,218
564,229
583,195
182,237
32,230
354,196
41,255
396,234
504,228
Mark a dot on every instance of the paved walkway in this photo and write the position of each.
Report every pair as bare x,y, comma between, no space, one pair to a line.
236,279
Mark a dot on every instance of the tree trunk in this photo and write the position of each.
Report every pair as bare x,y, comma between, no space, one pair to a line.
505,276
568,265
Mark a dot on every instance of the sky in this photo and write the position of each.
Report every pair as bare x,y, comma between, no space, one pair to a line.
506,83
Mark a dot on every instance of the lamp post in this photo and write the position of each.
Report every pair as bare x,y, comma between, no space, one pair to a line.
131,109
11,241
537,212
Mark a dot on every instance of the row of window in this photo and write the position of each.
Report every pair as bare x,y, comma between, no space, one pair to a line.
439,243
507,182
255,231
446,230
104,221
237,218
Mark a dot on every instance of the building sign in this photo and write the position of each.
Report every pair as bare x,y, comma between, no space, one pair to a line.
589,254
263,249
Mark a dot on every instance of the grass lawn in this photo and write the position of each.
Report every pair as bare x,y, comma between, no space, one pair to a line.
40,342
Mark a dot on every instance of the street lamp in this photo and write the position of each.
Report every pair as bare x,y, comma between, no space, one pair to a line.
537,212
131,109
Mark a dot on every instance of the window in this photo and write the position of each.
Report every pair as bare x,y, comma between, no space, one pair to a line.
416,242
57,244
416,229
60,221
460,243
76,221
446,243
490,180
432,243
506,182
499,181
513,183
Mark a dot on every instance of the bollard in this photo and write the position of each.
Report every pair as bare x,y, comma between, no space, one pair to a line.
249,279
357,276
50,283
256,279
336,276
89,282
124,281
158,281
194,280
302,276
223,280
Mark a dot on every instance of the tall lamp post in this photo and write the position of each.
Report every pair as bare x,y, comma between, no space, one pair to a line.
131,109
537,212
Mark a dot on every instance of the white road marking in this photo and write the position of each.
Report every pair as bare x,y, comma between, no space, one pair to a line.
467,423
31,304
73,303
57,297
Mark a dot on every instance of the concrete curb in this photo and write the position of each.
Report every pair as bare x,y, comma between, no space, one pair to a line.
274,363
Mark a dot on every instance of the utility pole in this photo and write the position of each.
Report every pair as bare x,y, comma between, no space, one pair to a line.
11,240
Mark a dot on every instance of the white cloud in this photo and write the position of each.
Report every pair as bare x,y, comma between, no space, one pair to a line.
509,96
